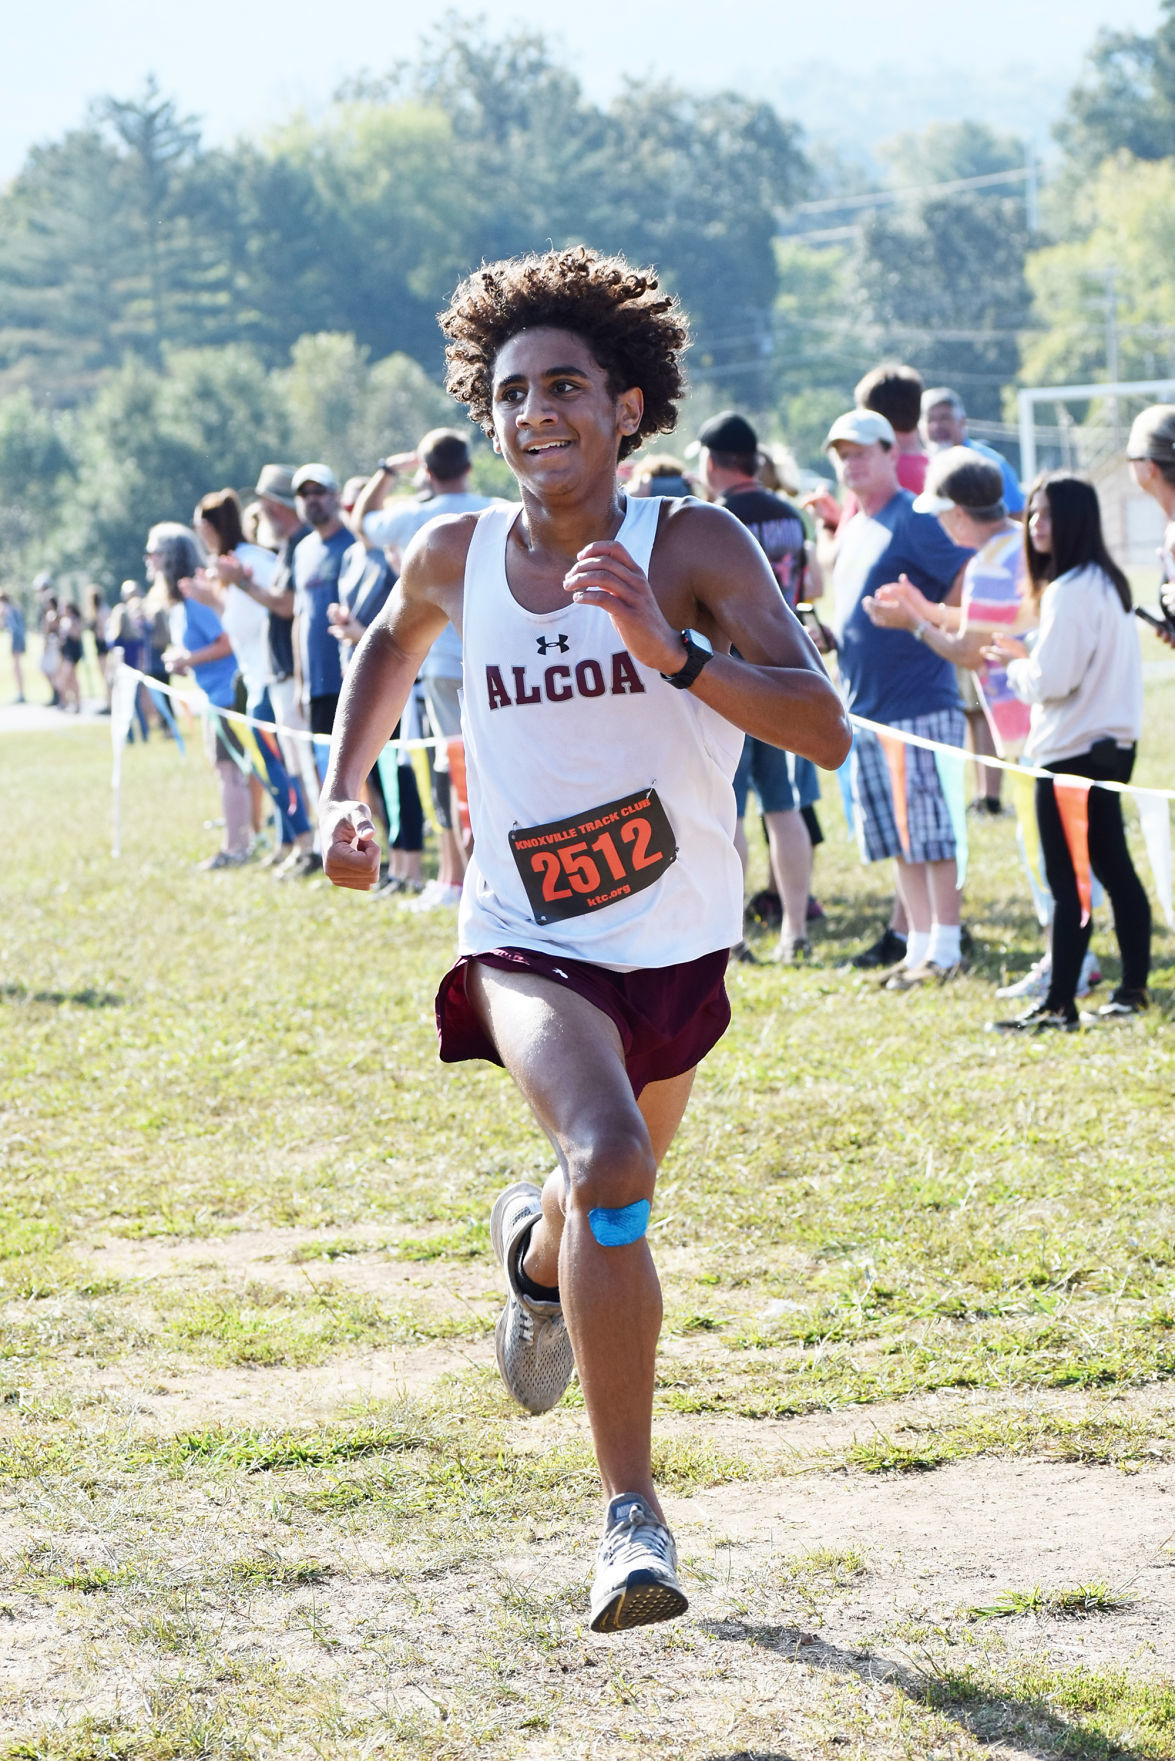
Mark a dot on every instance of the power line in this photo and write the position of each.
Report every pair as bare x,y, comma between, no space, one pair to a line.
882,198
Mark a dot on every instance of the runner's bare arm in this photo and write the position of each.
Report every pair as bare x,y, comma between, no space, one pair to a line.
712,576
376,688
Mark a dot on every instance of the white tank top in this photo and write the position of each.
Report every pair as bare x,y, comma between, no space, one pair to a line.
562,724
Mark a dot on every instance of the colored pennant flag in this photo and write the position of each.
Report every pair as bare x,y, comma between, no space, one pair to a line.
162,704
1073,806
1022,786
895,758
249,736
321,743
455,751
1023,792
424,785
1155,816
951,767
228,744
844,777
388,766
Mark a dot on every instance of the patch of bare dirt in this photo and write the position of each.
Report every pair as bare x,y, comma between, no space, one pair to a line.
770,1661
936,1545
267,1256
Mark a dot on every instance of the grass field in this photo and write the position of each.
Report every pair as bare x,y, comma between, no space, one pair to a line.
262,1494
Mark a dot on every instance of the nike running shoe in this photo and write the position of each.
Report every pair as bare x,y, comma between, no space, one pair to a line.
636,1570
534,1354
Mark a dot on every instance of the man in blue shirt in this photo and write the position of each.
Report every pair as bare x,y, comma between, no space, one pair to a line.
901,684
944,423
317,561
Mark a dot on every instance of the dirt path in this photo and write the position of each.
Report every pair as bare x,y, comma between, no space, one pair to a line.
825,1605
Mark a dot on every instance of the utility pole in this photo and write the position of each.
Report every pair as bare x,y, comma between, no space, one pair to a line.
1112,364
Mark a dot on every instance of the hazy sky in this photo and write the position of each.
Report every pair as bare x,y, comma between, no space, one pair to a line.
241,64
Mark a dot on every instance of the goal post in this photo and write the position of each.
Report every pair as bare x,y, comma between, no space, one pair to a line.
1097,449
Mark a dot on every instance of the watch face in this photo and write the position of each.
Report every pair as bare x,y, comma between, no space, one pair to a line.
698,639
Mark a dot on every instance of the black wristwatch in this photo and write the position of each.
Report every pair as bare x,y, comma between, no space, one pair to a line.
387,466
695,659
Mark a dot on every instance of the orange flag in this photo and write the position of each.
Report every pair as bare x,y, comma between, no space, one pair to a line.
895,758
1073,806
455,752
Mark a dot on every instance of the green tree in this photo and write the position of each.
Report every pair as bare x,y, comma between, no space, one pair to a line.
150,444
945,151
385,193
943,285
36,466
528,142
173,274
691,183
348,412
64,235
696,185
1114,270
1126,99
106,247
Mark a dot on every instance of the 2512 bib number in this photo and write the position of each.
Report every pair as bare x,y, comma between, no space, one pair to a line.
573,866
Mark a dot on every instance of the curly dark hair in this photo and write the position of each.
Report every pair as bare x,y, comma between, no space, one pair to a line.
637,333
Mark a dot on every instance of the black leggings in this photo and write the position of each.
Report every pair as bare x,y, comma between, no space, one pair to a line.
1110,860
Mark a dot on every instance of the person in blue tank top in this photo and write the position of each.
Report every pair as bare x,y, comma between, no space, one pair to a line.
569,360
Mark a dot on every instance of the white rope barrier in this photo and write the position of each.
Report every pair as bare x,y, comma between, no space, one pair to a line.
127,680
1008,764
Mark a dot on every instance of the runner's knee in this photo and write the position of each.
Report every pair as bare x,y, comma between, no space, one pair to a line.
615,1173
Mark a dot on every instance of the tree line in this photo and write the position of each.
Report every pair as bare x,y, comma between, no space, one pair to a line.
171,313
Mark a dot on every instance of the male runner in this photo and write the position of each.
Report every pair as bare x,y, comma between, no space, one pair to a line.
603,719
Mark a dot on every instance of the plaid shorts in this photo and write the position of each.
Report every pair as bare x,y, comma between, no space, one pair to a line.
928,819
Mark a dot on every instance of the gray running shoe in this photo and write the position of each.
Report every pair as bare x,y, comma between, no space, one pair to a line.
534,1353
636,1570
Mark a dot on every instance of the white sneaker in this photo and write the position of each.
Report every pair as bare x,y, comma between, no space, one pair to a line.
1035,982
535,1359
435,897
636,1570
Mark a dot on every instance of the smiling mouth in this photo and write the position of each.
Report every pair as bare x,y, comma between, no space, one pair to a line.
545,446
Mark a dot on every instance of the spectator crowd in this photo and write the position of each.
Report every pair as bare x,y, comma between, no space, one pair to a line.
955,606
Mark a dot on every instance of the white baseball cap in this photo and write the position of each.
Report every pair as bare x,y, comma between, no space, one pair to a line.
863,427
315,473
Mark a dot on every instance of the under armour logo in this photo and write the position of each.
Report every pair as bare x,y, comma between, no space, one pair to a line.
559,642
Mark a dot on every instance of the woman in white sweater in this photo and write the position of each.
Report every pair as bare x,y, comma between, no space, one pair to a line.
1083,680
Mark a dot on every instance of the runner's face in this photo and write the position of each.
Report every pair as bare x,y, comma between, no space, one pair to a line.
556,422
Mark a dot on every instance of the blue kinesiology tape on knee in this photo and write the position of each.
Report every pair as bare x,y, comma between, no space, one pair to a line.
617,1228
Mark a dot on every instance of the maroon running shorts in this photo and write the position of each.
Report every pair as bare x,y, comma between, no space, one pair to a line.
668,1017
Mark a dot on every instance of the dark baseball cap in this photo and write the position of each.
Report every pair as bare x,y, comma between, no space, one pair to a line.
728,432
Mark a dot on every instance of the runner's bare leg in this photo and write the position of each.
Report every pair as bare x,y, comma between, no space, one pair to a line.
565,1055
662,1106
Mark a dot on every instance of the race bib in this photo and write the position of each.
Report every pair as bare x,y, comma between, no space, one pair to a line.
573,866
